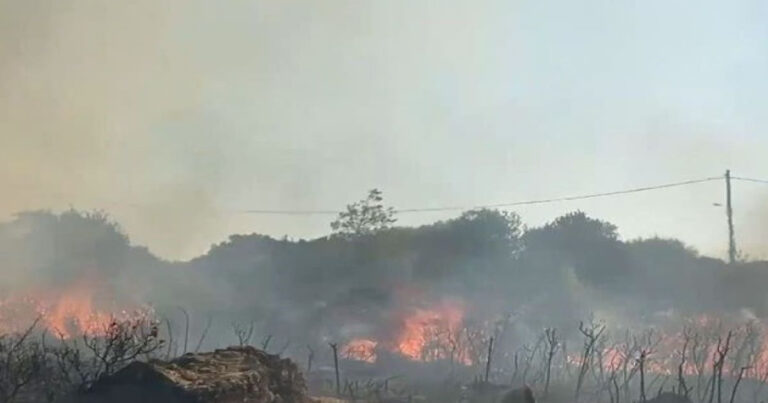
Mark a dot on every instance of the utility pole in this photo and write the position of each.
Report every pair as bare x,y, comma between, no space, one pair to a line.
488,362
335,348
729,212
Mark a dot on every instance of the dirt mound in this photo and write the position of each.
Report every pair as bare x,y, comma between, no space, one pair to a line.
521,395
235,374
668,397
482,392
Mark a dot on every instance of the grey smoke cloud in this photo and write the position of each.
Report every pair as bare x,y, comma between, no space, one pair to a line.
173,115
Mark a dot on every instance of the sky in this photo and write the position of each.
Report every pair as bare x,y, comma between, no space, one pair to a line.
175,116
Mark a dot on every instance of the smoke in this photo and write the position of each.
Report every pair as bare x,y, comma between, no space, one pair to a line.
177,115
85,89
412,297
176,110
752,235
138,108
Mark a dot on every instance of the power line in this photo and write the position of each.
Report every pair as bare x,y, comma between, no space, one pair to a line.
510,204
750,180
291,212
568,198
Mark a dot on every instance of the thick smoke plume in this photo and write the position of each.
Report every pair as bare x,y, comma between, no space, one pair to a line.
338,288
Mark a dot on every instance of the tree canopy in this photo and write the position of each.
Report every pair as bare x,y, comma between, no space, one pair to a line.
364,217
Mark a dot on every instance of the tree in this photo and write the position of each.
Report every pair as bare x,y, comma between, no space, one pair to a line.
592,247
364,217
486,232
21,363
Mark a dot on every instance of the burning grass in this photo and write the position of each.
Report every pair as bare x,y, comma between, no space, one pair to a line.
67,312
704,357
704,361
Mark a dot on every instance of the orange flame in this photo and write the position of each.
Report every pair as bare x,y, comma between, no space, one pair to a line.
664,357
422,335
432,334
65,314
360,350
73,313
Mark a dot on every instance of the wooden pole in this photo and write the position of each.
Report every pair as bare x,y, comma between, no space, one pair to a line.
488,361
729,212
335,349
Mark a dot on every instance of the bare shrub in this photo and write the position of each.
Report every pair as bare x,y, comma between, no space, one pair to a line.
21,362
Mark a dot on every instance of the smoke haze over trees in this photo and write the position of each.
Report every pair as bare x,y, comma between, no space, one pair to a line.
172,117
555,171
335,286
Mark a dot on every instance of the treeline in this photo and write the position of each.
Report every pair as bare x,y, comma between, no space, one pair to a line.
572,266
560,272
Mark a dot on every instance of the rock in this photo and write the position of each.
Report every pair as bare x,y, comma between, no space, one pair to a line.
490,393
520,395
235,374
669,397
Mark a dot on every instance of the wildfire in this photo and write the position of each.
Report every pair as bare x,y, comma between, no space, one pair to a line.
65,313
431,334
360,350
700,345
71,314
423,334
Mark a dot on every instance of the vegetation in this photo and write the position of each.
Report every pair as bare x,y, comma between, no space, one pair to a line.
36,367
364,217
292,297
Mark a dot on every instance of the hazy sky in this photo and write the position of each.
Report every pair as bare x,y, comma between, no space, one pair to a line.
175,115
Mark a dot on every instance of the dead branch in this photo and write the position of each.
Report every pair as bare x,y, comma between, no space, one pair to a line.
203,335
591,335
738,381
186,328
553,344
243,334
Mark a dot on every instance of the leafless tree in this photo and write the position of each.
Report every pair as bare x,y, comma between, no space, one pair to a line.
204,334
171,346
591,333
475,343
701,348
682,385
650,340
552,345
529,356
120,343
21,361
310,358
265,342
186,329
243,333
736,384
716,381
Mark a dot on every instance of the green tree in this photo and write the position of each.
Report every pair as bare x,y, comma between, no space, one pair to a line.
592,247
488,231
364,217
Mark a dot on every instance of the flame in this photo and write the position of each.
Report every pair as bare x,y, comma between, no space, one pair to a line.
432,334
664,357
422,334
360,350
73,313
66,313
